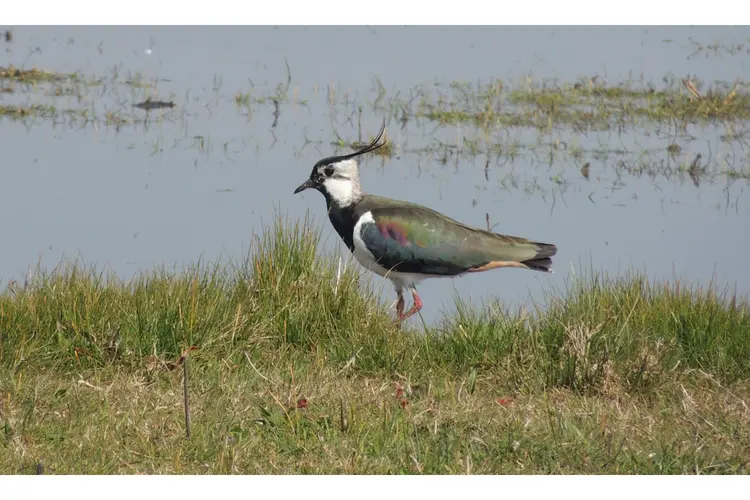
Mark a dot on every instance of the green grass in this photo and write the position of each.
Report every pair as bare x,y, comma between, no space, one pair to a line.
614,376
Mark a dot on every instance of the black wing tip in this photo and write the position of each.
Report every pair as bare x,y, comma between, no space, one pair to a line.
542,261
546,250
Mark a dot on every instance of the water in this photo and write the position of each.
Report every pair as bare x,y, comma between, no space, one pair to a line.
197,180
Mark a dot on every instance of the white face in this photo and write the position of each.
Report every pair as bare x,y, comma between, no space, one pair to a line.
341,181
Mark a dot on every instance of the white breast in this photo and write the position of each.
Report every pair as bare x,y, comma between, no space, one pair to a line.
361,253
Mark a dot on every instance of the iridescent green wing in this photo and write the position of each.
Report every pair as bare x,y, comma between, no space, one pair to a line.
414,239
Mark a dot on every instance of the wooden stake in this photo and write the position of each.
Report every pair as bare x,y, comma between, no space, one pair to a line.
185,395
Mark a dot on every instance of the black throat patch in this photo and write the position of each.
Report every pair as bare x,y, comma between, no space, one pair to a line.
343,220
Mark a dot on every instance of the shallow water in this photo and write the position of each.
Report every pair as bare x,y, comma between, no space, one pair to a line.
197,180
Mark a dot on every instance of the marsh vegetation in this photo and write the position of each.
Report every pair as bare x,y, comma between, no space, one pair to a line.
295,362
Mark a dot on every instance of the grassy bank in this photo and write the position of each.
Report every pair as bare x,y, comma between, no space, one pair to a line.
297,371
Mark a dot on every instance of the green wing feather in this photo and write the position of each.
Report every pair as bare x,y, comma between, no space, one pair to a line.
413,238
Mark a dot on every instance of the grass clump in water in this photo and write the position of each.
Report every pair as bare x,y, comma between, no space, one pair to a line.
34,75
24,112
583,106
298,368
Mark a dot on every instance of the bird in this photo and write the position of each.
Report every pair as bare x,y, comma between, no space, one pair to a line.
406,242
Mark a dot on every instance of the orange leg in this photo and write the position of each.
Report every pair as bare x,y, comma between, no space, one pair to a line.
414,308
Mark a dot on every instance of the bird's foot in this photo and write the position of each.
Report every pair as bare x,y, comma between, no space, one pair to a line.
415,308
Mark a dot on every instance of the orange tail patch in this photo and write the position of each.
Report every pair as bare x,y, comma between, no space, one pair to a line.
497,264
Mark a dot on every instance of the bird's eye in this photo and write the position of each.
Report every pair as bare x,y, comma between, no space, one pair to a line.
328,171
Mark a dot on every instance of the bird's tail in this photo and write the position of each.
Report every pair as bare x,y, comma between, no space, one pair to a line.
542,261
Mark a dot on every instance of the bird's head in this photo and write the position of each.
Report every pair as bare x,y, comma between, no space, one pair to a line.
337,177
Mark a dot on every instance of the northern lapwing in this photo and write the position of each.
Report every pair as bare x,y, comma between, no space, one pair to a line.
408,243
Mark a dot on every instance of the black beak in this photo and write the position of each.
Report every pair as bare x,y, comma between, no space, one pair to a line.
305,185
